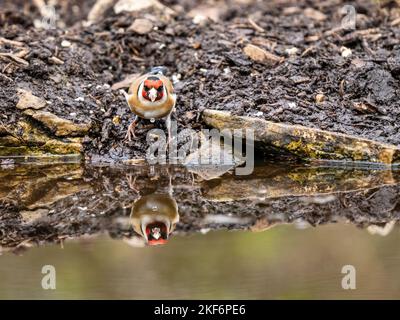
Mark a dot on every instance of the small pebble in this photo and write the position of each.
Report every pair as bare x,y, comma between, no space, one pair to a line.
176,77
227,70
141,26
319,98
65,44
346,52
116,120
199,19
291,51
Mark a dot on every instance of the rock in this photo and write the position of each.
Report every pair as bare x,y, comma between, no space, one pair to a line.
141,26
24,138
291,51
364,107
56,60
98,10
307,143
65,44
314,14
58,126
358,63
288,11
116,120
260,55
32,216
57,78
346,52
9,141
300,79
203,13
132,5
28,101
60,147
319,98
139,5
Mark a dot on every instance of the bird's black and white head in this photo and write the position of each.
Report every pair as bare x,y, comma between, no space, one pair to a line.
152,89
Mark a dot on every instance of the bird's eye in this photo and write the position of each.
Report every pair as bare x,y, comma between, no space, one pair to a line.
146,88
160,88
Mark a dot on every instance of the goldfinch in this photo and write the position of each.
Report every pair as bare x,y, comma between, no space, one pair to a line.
154,217
151,96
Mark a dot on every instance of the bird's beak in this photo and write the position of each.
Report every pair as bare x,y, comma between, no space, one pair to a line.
153,94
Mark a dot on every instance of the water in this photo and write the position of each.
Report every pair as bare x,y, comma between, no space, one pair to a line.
164,232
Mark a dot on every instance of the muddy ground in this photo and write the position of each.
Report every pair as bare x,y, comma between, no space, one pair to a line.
210,69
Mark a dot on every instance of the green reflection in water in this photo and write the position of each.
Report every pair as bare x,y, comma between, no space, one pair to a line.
283,262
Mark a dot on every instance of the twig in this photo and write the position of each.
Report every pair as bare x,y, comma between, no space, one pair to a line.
11,42
8,78
255,25
395,22
14,57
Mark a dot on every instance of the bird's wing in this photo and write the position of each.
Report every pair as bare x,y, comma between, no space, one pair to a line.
133,89
170,90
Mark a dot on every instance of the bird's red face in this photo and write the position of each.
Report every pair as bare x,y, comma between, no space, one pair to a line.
153,89
157,233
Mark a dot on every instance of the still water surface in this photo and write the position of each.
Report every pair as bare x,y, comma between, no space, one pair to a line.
284,262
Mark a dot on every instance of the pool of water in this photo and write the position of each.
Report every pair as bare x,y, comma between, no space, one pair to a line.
140,232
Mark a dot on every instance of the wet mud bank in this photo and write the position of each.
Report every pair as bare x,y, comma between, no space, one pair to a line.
281,61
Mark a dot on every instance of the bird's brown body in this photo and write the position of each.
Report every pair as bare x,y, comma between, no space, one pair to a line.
151,96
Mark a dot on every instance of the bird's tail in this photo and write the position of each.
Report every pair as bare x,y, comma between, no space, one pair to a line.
158,70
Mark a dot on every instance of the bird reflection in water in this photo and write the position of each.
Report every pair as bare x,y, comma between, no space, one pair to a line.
154,214
154,217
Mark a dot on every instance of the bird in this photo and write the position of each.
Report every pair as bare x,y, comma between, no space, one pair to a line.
154,217
151,96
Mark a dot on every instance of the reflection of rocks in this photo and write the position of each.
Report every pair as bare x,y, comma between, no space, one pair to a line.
382,230
306,143
32,216
298,181
91,200
31,187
